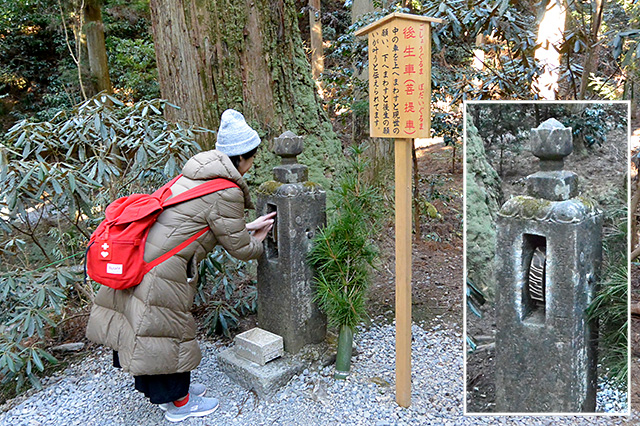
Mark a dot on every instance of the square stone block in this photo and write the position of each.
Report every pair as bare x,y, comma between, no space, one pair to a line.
291,173
259,346
553,186
265,380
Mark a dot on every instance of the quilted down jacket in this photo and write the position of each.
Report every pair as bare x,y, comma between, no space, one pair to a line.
150,325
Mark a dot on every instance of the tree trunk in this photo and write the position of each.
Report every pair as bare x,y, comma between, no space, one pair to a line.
579,147
358,9
550,36
361,7
478,53
591,56
97,51
453,157
633,212
247,55
317,50
501,164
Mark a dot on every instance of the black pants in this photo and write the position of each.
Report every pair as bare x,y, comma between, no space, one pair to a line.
160,388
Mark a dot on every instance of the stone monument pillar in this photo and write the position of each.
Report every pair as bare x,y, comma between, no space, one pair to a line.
285,282
549,250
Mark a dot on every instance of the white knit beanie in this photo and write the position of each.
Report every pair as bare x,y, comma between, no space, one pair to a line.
235,137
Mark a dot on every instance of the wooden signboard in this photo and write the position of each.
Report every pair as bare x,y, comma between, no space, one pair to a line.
400,108
400,76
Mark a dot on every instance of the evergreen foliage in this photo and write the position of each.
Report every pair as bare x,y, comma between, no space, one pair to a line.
226,290
609,307
343,252
57,177
475,299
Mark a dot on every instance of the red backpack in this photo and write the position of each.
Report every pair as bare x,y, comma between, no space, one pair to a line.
115,254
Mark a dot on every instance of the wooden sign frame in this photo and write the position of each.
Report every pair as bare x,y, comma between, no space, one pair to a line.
400,46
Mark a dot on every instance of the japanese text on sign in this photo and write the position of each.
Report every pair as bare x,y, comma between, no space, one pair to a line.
398,82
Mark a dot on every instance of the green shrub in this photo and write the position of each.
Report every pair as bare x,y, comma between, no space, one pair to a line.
31,300
57,177
132,68
344,252
591,125
609,307
226,290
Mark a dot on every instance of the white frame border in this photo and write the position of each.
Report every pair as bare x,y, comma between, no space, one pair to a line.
464,259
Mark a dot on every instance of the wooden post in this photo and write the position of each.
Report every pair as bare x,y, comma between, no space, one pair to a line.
317,50
403,270
400,108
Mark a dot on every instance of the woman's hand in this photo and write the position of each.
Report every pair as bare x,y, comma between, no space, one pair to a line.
261,233
261,222
261,226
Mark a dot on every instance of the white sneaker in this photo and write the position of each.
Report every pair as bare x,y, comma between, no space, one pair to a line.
197,389
197,406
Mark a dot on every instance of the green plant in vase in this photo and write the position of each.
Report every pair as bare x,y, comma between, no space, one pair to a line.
343,254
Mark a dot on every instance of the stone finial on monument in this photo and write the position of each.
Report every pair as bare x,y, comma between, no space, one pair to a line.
285,281
288,146
549,250
551,142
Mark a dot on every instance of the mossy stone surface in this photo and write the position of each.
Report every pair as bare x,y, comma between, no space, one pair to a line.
273,187
574,210
483,199
269,187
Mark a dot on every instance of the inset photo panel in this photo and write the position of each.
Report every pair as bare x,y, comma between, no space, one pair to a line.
547,257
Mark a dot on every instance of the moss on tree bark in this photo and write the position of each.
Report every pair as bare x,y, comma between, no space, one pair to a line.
214,55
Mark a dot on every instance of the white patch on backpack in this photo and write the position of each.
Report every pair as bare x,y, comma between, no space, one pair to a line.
114,268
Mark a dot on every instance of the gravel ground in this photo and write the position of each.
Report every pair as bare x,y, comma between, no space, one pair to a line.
92,392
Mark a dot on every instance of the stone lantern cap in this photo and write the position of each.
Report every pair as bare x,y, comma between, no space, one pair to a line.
288,146
551,142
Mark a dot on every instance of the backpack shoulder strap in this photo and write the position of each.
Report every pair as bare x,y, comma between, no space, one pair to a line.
208,187
200,190
164,191
173,251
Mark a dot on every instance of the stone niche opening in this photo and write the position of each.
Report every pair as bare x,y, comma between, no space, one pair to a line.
533,309
272,238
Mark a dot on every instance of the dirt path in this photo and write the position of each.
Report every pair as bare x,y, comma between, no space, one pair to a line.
437,256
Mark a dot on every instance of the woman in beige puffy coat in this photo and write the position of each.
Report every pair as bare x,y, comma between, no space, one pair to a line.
150,326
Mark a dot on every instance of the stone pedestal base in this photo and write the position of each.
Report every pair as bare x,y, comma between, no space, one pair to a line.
266,379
